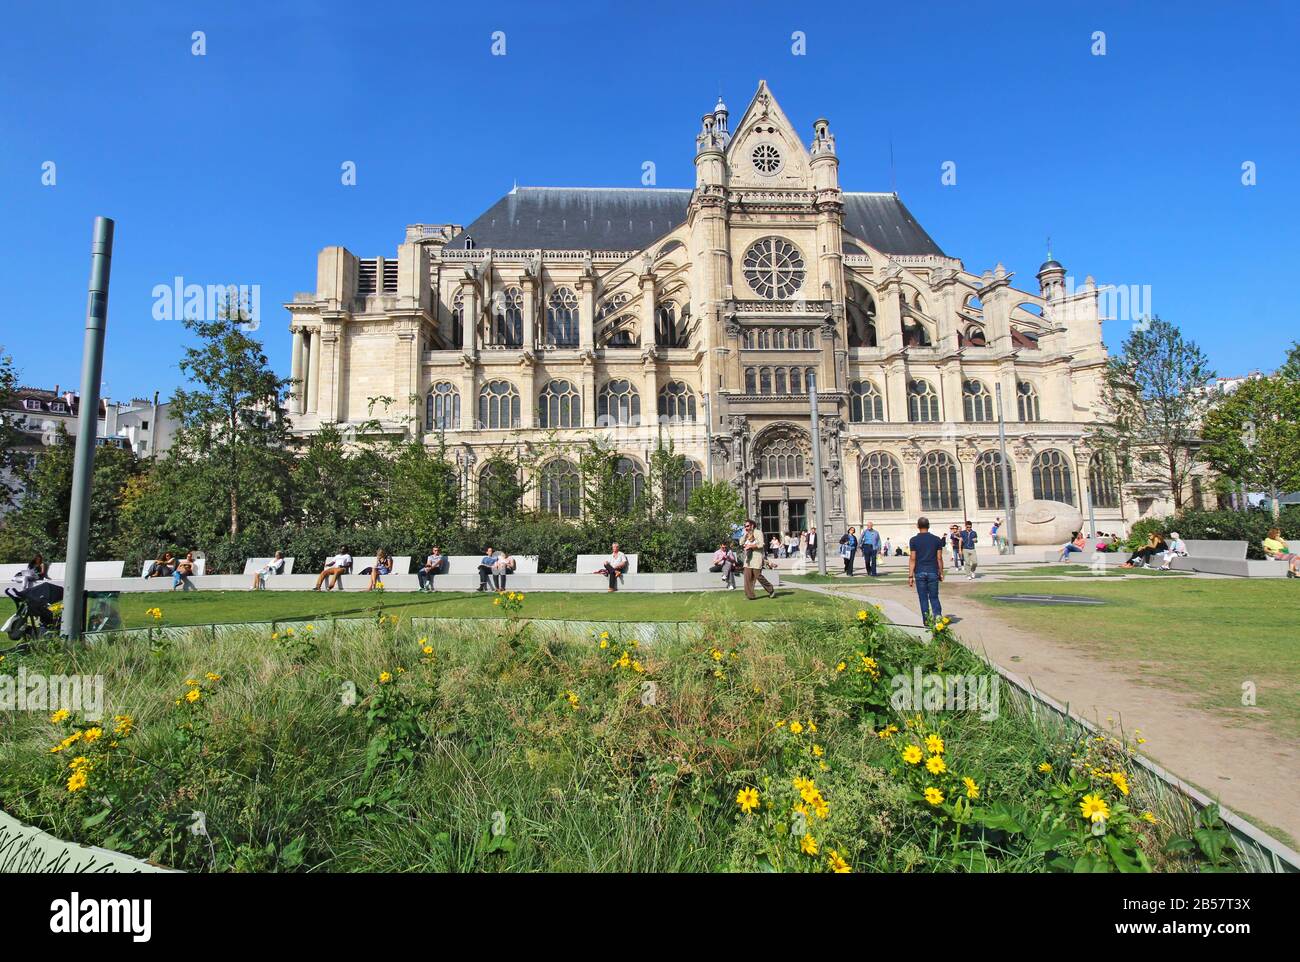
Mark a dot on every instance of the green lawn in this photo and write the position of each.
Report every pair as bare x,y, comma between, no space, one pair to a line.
1082,571
227,607
1204,636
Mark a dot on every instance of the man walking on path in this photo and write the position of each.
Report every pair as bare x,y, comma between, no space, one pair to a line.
751,546
870,548
925,569
969,538
812,544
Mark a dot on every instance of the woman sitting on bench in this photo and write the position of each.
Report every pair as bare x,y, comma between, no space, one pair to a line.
1275,548
1154,546
383,565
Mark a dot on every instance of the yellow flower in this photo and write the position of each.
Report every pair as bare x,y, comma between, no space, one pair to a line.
385,677
717,655
496,601
818,751
193,695
59,716
912,754
192,682
802,785
747,799
1147,816
428,649
934,744
77,781
889,731
93,735
812,727
573,699
604,643
820,807
837,864
808,845
933,796
212,676
637,667
1094,808
972,790
935,765
862,616
795,727
841,666
1120,781
1045,767
604,635
123,725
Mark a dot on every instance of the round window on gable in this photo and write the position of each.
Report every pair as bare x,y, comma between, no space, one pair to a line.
767,159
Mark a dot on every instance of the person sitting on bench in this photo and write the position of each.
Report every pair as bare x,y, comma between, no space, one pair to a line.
340,565
162,566
1275,549
184,571
724,562
615,566
1155,544
502,568
383,565
273,567
485,564
432,566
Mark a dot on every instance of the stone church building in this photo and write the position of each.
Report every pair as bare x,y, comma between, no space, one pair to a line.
704,316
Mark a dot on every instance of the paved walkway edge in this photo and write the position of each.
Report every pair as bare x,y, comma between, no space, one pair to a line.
25,848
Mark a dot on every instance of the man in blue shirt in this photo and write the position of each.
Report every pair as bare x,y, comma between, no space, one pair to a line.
485,564
969,538
870,542
925,569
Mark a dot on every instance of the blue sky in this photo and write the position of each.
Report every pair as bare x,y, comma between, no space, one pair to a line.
226,167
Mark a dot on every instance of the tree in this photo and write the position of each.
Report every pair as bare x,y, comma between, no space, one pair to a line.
40,521
607,493
11,438
1252,435
1290,368
501,490
667,468
716,507
1154,398
424,495
328,483
231,426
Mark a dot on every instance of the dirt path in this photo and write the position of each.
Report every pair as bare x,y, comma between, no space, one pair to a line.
1248,768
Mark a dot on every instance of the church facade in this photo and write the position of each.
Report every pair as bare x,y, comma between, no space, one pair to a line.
707,316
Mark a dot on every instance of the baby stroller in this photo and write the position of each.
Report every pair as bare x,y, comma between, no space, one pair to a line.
33,618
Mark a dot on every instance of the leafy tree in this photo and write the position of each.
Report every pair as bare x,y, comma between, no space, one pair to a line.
1290,369
11,438
716,507
667,469
607,494
1154,399
231,427
424,496
328,484
40,521
500,500
1252,435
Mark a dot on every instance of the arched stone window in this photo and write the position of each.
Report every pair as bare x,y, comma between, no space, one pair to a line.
881,483
692,477
1053,479
940,490
629,471
783,458
751,381
988,481
670,330
498,405
676,402
559,405
796,380
458,320
618,403
561,489
1027,401
976,402
499,489
779,385
765,380
442,407
865,403
922,402
1101,482
623,332
562,318
508,319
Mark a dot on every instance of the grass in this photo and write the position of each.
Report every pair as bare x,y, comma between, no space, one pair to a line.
1203,636
236,607
515,749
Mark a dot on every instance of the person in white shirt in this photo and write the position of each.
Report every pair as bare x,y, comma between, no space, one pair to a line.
502,568
432,566
339,565
273,567
616,566
1177,548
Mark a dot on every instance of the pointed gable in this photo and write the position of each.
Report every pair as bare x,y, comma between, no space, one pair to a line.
765,151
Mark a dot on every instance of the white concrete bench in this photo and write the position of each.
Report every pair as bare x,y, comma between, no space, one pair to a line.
467,564
253,565
588,563
401,564
94,569
1227,558
1233,550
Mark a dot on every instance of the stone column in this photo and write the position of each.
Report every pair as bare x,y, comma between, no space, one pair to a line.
528,392
530,311
649,389
313,376
299,389
586,313
895,388
588,389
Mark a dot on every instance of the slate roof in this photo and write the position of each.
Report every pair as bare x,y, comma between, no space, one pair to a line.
625,219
